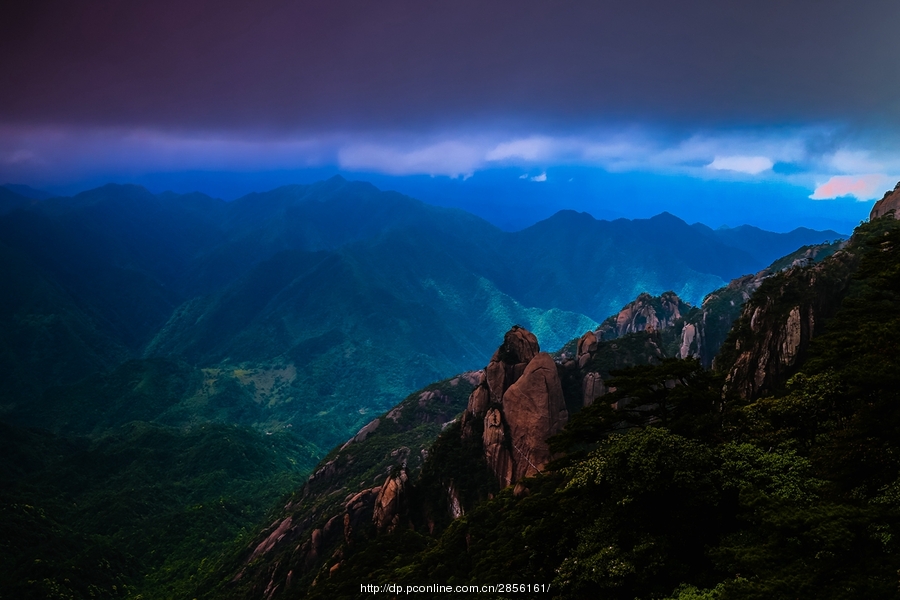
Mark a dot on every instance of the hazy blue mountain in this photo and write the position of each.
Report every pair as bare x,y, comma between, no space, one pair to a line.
27,191
98,270
767,246
347,296
356,329
10,200
46,335
595,267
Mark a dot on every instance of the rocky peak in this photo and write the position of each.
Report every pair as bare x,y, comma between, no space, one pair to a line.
587,345
519,346
645,313
517,406
507,365
889,202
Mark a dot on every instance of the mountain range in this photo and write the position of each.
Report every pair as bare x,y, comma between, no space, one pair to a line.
619,469
313,299
173,367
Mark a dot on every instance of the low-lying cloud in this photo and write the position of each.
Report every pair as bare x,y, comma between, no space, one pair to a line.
752,165
861,187
846,167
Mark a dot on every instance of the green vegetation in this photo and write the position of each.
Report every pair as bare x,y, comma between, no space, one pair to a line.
403,438
137,512
681,495
183,389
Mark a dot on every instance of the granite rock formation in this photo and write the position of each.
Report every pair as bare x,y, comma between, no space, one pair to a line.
645,313
776,325
889,202
519,405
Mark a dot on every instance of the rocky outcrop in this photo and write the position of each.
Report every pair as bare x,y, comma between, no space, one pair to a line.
690,341
645,313
587,345
534,409
704,334
389,503
774,351
889,202
363,433
777,325
592,387
683,331
363,487
518,405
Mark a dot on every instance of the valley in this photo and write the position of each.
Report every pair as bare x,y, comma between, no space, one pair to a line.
253,336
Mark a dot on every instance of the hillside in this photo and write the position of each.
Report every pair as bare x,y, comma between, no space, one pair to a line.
677,482
173,365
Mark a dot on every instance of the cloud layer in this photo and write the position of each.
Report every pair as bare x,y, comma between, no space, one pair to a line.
406,65
761,92
827,161
861,187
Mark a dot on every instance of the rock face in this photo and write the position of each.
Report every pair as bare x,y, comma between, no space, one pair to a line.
699,333
363,433
688,332
534,409
890,202
702,337
389,502
592,387
776,326
364,487
518,405
645,313
587,345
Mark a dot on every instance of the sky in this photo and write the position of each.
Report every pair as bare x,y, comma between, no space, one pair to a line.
778,114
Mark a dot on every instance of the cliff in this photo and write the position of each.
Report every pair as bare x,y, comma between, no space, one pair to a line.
772,337
777,325
889,202
360,489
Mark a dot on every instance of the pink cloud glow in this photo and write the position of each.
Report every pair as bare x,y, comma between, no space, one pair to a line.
862,187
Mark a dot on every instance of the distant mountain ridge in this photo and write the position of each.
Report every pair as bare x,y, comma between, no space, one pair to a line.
362,295
766,245
27,191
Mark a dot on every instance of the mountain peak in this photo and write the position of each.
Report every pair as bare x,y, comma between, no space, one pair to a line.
666,217
520,403
889,202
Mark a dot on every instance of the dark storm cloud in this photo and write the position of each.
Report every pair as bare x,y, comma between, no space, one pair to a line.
394,65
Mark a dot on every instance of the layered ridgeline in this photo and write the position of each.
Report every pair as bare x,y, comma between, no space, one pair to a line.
189,357
773,475
308,306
